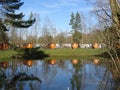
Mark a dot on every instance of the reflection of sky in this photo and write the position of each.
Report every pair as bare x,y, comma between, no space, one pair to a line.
59,76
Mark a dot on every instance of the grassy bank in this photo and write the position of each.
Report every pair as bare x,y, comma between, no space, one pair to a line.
73,52
64,52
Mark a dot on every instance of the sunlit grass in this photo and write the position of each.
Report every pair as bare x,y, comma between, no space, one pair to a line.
73,52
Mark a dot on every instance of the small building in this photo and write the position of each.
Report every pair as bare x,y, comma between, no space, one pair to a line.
52,45
95,45
27,45
74,45
4,46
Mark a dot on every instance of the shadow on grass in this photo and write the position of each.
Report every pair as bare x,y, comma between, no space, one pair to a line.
30,53
104,55
113,52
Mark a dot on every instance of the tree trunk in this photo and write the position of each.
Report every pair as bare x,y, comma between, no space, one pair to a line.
115,9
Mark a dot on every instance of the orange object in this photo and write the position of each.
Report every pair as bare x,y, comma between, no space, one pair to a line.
52,61
95,45
74,45
28,62
28,45
75,61
52,45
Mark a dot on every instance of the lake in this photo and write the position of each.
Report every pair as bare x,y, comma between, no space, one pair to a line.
55,74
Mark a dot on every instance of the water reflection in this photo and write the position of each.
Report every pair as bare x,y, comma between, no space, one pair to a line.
28,62
96,61
75,61
75,74
4,64
52,61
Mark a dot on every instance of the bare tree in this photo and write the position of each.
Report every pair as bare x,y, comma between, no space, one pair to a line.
108,13
46,32
60,38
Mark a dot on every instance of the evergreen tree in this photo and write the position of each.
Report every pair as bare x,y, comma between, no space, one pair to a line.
72,21
76,26
9,17
13,19
76,36
3,35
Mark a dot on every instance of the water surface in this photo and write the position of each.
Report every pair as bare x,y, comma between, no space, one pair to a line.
74,74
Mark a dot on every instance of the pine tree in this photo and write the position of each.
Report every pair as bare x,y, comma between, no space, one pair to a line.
76,26
72,21
13,19
9,17
3,35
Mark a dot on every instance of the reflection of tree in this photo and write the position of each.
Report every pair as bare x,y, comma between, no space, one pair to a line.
48,72
110,79
17,81
76,77
2,77
105,82
115,74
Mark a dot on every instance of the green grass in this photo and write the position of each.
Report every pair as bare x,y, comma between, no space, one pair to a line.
73,52
63,52
6,54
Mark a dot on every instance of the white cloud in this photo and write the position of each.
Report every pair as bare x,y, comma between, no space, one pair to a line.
60,3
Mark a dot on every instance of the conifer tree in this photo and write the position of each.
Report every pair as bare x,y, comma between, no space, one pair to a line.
9,17
3,35
72,21
76,26
13,19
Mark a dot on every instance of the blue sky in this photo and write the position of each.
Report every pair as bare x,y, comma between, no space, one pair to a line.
58,11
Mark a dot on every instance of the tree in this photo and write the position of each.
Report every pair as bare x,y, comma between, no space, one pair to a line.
108,13
111,33
60,38
3,34
77,36
72,21
76,26
48,31
78,23
33,29
115,10
10,17
13,18
46,36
